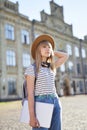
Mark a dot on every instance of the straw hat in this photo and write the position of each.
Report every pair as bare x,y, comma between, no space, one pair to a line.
40,39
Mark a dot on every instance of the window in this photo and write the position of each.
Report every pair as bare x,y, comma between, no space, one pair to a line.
85,69
70,66
83,53
26,60
9,32
81,86
62,68
78,68
25,37
76,51
10,58
69,49
11,86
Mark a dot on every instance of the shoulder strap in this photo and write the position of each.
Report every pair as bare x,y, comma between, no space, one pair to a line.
35,69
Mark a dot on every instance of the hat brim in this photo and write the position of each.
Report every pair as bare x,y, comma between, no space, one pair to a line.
40,39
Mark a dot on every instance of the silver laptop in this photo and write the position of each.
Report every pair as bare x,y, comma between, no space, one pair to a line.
44,113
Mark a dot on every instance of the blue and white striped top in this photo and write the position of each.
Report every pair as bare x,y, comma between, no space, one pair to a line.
45,80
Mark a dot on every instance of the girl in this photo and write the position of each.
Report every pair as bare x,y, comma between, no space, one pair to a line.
43,89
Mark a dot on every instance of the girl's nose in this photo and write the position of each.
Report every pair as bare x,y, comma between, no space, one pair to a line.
48,48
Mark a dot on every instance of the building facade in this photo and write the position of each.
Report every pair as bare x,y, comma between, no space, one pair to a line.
17,33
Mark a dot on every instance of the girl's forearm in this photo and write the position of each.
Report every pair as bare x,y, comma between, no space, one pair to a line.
61,58
60,54
31,105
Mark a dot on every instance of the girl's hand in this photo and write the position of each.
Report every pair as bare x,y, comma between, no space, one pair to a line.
34,122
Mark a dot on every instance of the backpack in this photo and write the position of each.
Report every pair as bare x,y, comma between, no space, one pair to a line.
24,88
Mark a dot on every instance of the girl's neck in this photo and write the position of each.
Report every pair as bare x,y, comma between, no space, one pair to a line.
44,59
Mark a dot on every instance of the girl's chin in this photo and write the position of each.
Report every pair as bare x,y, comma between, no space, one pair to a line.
47,56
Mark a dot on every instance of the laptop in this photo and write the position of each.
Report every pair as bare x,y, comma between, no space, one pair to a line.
44,113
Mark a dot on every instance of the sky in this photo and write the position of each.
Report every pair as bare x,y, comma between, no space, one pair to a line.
75,12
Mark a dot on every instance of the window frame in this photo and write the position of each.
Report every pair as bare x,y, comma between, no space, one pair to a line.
25,37
26,59
10,58
9,31
77,54
69,49
12,89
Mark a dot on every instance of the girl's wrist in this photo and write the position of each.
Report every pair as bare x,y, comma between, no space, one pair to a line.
32,117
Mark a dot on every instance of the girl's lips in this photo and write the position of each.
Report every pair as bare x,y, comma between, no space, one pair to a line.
48,52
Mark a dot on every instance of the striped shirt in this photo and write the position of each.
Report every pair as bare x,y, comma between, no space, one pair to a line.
45,80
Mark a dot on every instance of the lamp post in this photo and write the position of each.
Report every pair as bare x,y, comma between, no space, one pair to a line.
83,72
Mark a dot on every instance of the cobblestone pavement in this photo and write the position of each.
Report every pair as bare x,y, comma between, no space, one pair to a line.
74,114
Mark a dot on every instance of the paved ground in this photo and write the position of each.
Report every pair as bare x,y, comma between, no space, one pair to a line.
74,114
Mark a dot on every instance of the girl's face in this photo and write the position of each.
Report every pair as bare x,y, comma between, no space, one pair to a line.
45,50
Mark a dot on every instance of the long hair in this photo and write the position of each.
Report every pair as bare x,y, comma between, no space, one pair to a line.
38,58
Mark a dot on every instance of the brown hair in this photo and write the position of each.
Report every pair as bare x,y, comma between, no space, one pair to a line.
38,57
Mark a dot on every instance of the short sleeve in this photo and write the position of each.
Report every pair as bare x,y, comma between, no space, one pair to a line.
30,71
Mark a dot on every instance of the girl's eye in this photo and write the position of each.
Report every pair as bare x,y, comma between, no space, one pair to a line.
44,46
49,47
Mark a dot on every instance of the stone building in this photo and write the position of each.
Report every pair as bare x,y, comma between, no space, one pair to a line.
17,33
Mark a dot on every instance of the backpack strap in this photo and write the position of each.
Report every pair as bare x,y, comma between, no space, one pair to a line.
25,94
24,89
